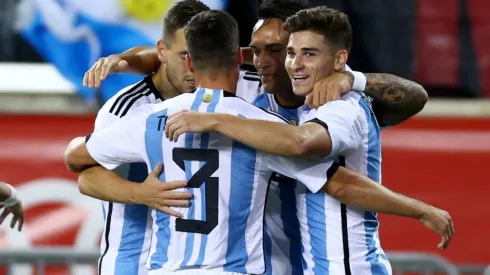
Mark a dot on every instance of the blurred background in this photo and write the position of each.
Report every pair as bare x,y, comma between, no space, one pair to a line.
440,156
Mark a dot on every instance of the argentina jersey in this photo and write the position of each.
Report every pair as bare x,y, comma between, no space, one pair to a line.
339,239
125,242
222,231
282,236
248,85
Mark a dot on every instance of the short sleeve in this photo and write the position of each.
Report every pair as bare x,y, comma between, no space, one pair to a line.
121,142
313,172
346,123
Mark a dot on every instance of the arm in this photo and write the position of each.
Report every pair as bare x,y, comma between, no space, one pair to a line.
4,192
120,143
77,157
338,131
144,60
395,99
309,139
141,60
100,183
271,137
356,190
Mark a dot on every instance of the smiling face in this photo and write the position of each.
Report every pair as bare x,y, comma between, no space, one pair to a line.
309,59
269,42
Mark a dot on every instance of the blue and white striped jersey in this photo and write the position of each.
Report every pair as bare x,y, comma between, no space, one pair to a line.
282,238
125,242
339,239
222,231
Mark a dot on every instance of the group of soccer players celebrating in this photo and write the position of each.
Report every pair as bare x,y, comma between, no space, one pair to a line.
206,169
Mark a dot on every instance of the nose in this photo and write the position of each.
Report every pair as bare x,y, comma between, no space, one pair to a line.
262,61
297,63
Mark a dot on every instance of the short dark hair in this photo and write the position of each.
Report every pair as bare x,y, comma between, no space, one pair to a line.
331,23
212,39
280,9
179,16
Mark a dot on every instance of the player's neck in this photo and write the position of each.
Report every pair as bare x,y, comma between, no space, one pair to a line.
220,80
163,85
288,99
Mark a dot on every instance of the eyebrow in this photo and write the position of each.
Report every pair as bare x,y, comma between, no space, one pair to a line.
267,45
310,49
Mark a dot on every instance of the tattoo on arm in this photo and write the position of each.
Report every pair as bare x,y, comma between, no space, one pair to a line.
395,98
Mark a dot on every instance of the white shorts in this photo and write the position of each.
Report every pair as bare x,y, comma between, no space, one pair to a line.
162,271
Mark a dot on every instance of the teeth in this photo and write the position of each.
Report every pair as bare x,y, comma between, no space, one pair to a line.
300,77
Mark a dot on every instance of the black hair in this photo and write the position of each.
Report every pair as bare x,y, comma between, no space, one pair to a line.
212,39
179,16
280,9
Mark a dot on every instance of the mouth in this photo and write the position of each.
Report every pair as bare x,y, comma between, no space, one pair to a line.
300,79
191,82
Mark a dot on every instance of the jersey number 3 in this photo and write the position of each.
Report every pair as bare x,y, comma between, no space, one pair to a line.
210,157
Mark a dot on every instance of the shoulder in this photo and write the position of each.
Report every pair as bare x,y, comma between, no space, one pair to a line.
257,112
249,85
262,100
141,93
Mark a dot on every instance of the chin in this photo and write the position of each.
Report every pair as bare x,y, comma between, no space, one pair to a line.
268,88
301,91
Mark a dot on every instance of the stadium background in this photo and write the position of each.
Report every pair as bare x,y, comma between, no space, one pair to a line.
440,156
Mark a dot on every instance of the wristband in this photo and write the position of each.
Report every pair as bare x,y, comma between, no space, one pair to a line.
360,81
12,200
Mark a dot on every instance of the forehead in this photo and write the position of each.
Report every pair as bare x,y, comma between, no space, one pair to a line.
269,31
307,39
179,40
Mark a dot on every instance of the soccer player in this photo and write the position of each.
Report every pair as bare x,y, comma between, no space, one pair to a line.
394,98
336,238
125,243
12,205
269,41
224,234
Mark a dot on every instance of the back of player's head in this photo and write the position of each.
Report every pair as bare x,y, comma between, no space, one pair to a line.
213,40
280,9
179,16
332,24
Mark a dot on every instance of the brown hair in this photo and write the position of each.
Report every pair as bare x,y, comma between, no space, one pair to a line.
332,24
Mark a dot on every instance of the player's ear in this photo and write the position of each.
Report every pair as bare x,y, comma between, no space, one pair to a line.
161,49
340,60
239,57
189,64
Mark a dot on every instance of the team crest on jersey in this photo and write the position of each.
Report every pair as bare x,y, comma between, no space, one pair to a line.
294,122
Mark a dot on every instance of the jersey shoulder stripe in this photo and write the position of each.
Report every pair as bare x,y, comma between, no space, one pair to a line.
124,101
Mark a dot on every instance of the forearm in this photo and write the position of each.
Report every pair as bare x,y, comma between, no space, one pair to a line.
77,157
359,191
395,98
270,137
4,192
100,183
141,60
